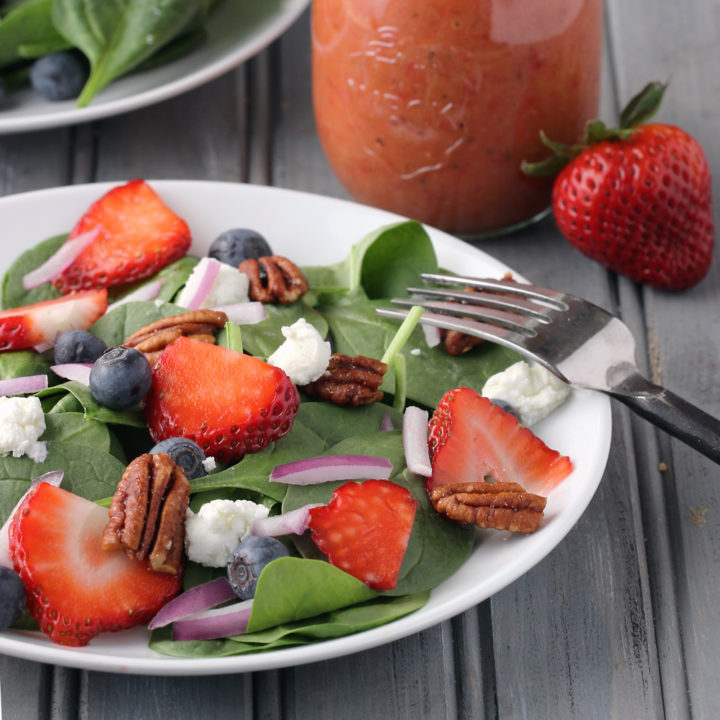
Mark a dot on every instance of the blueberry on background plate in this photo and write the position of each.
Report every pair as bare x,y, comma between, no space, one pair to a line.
249,559
59,75
185,452
12,597
234,246
120,378
78,346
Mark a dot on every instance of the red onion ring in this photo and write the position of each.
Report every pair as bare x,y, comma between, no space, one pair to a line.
294,522
23,385
199,598
325,468
207,280
79,372
415,441
61,259
145,292
216,623
243,313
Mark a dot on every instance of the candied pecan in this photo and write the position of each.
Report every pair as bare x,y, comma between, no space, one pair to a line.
498,505
274,279
349,380
147,514
458,343
152,339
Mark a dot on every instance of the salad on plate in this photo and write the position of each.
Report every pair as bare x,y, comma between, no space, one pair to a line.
235,450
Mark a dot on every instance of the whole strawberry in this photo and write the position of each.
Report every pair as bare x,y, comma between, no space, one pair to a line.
636,198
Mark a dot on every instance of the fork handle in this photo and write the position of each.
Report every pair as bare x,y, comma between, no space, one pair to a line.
670,412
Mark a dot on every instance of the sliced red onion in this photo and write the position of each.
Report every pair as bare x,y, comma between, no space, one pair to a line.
205,283
73,371
23,385
216,623
415,441
243,313
326,468
60,260
54,477
145,292
294,522
192,601
42,347
431,333
386,422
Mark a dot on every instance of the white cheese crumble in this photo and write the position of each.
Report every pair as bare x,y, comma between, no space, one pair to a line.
209,464
533,391
230,286
22,422
304,356
215,530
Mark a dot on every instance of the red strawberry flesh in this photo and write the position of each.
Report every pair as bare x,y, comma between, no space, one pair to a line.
471,438
42,322
227,402
139,235
75,588
365,529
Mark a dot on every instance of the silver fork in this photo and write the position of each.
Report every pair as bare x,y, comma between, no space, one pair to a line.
578,341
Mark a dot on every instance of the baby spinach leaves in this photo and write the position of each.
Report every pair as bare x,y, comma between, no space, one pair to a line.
118,35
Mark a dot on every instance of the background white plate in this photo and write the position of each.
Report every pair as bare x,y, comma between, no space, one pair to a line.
237,30
315,230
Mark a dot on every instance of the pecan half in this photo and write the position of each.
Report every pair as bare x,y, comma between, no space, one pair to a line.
152,339
147,513
349,380
498,505
458,343
274,279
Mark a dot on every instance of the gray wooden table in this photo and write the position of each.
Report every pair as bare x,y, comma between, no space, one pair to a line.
622,619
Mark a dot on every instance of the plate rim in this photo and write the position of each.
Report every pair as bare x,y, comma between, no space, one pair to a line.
272,28
34,646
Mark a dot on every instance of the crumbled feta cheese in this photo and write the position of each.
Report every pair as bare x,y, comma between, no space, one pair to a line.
22,422
214,531
416,351
209,464
534,392
230,286
304,355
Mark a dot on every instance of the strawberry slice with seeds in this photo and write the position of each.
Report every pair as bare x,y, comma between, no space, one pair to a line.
75,589
365,529
471,438
138,236
42,322
227,402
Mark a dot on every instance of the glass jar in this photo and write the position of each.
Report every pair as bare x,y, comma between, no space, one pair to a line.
428,107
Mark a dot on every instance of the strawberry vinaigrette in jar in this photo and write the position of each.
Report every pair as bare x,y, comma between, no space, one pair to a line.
428,107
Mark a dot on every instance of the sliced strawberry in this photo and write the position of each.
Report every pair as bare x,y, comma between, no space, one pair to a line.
227,402
139,235
76,589
42,322
364,530
471,438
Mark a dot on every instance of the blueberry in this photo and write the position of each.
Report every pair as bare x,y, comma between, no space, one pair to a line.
249,559
12,597
185,452
120,378
59,76
506,406
234,246
78,346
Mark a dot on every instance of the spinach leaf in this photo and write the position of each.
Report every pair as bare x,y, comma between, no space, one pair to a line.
118,35
27,31
345,621
18,363
13,292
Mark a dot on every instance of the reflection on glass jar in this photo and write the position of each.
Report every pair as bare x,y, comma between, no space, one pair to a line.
428,107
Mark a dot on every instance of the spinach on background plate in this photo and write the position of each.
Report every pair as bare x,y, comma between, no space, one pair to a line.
27,31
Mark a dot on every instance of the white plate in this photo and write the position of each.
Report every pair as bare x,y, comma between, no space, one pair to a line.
237,30
316,230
